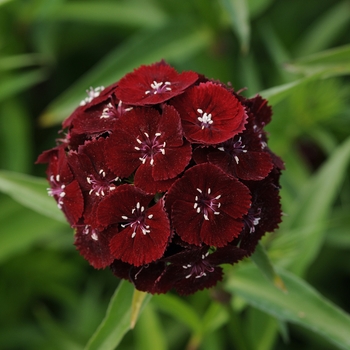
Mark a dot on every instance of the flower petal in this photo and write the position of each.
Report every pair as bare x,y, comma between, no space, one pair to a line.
210,114
94,246
153,84
207,206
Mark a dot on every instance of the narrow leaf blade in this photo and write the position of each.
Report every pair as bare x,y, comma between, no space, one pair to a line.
301,305
117,320
31,192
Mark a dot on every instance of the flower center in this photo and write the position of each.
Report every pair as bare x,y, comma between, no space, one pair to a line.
137,220
57,190
205,118
150,147
200,268
101,185
206,203
92,93
158,88
235,148
252,219
111,112
93,233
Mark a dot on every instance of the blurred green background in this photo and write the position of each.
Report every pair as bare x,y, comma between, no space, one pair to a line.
296,53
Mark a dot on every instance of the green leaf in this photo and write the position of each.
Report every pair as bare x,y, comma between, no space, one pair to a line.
278,93
256,7
117,320
179,310
31,192
16,83
325,29
214,318
21,61
149,332
301,305
131,13
172,43
239,15
262,261
333,62
21,228
311,210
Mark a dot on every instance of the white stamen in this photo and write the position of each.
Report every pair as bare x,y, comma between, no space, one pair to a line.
124,217
236,159
94,236
150,216
205,216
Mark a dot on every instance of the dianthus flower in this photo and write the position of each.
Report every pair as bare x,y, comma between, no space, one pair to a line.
166,176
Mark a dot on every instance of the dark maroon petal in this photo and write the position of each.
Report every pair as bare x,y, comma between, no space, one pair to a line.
63,187
207,206
94,96
99,119
144,232
153,84
120,203
121,269
246,166
143,245
210,114
93,246
94,177
186,283
144,180
265,214
152,140
146,278
72,203
227,255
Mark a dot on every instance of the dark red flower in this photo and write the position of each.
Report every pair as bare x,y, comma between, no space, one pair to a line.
143,231
210,114
153,84
95,96
95,178
152,144
63,187
187,271
207,206
243,156
165,177
93,245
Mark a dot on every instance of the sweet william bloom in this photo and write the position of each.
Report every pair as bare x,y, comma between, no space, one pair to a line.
207,206
151,144
141,232
154,84
96,180
63,187
210,114
165,177
93,245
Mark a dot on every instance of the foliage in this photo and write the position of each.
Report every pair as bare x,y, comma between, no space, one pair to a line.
296,54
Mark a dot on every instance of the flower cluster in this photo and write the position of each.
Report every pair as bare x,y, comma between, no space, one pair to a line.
165,177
